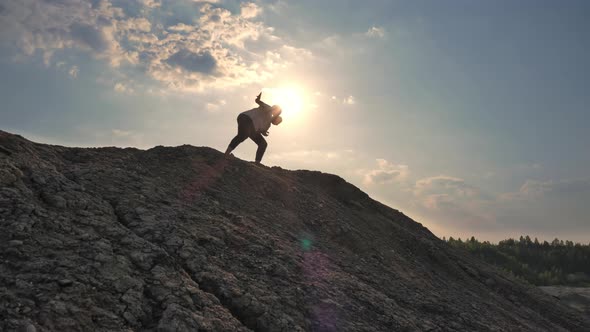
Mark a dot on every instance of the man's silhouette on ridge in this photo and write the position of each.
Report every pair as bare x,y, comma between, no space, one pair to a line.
254,124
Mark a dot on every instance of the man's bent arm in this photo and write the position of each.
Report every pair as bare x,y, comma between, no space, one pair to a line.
260,102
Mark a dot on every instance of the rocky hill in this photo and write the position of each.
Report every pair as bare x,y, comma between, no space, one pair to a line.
181,239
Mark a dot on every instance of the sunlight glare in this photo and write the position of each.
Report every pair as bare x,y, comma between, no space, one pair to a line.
291,99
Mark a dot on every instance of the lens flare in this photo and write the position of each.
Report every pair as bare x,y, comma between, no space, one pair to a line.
306,244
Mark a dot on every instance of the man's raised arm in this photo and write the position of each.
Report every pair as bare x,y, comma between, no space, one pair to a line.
260,102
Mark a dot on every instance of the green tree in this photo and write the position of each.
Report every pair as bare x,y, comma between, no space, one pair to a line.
546,264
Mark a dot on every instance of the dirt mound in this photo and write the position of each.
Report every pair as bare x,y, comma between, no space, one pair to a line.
181,239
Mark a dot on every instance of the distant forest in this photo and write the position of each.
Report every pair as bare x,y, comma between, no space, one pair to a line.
539,263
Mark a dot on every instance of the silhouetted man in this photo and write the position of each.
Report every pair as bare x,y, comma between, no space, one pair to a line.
255,124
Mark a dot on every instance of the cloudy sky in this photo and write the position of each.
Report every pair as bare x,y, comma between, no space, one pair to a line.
469,116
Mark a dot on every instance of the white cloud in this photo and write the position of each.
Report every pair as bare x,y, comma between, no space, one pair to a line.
451,204
151,3
120,137
279,6
375,32
216,106
221,38
121,133
250,10
452,196
386,172
45,27
489,175
530,166
447,184
532,190
331,42
349,100
73,72
182,27
312,156
219,50
123,88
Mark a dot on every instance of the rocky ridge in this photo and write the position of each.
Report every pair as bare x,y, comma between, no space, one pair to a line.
182,239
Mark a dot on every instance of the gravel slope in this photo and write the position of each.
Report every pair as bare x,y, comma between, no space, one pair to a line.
181,239
576,297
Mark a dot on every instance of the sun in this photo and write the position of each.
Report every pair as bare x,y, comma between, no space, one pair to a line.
290,98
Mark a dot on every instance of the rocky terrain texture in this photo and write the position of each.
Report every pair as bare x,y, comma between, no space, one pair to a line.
182,239
575,297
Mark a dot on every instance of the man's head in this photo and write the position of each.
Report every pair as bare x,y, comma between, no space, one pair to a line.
276,110
277,120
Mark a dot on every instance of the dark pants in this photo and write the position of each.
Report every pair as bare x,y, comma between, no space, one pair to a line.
245,130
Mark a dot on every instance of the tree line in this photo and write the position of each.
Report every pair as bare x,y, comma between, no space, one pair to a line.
540,263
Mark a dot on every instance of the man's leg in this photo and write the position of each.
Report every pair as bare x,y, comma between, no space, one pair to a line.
243,133
235,142
261,142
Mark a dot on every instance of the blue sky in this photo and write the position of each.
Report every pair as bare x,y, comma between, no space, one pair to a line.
469,116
